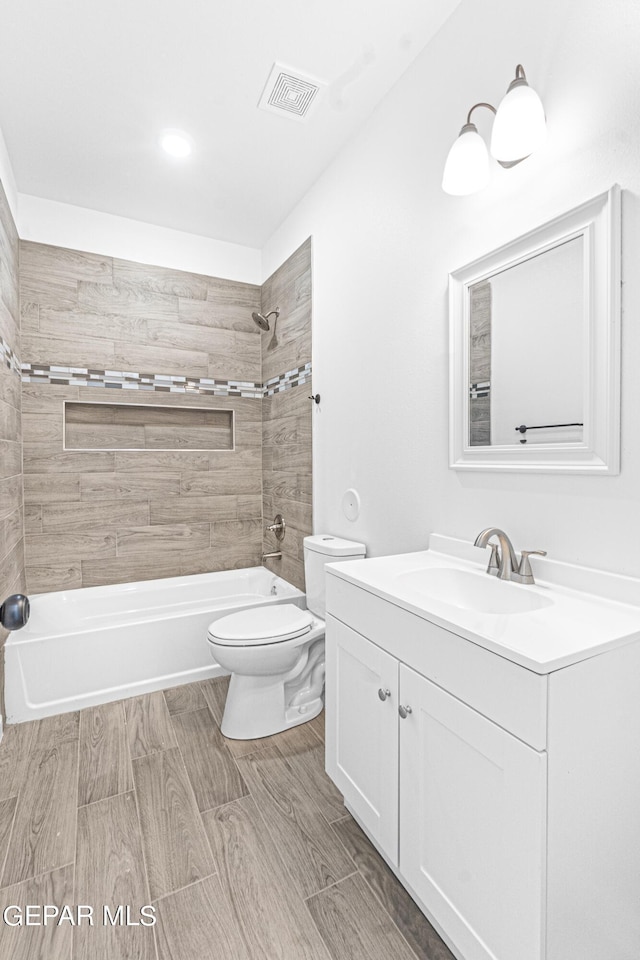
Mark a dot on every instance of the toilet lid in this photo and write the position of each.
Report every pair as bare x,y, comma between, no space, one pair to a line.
271,624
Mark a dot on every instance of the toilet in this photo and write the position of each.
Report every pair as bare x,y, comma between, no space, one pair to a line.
275,653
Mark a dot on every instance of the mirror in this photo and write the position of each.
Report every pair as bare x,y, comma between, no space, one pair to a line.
535,349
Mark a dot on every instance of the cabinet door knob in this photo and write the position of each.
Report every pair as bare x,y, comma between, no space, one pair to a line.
404,711
383,694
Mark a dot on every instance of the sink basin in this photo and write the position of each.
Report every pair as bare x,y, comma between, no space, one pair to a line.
477,592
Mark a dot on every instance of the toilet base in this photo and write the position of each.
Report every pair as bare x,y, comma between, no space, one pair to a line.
268,714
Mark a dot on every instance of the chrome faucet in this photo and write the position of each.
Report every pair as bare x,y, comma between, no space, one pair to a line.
503,562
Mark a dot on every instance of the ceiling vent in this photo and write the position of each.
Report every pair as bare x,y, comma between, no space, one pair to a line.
290,93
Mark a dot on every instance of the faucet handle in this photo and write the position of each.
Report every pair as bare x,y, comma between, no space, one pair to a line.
524,570
493,566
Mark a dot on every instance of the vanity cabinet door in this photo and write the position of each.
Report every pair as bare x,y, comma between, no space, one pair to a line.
472,824
362,730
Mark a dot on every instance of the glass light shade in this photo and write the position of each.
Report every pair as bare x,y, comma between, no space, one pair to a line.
519,128
467,168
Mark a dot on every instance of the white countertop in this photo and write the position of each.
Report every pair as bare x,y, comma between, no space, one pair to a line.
575,625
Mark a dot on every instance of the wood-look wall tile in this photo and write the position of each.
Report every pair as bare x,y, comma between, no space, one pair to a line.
104,769
126,298
10,458
129,486
95,573
209,437
12,569
40,942
49,458
177,283
43,834
213,774
193,509
41,429
11,531
103,436
98,354
143,359
83,323
266,904
45,577
214,560
353,926
10,387
192,920
212,314
46,398
94,544
175,844
10,495
44,260
90,514
29,317
9,421
163,538
149,726
110,871
235,533
155,460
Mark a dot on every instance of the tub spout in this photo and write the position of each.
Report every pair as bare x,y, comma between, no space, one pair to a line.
272,556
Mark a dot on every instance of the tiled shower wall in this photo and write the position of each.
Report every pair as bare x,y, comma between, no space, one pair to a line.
286,416
110,331
116,330
11,537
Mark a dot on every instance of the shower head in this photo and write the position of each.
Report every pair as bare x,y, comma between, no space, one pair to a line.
263,322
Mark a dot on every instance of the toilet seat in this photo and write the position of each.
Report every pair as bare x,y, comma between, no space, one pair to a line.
261,625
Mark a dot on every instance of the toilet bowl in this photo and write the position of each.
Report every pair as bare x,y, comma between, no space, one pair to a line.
275,654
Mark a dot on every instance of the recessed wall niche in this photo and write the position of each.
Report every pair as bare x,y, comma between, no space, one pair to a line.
121,426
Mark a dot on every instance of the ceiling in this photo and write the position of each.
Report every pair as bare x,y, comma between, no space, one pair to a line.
87,87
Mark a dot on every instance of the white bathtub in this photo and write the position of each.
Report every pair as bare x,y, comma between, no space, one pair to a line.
89,646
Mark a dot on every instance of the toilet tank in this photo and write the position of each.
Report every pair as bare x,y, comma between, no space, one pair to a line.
319,550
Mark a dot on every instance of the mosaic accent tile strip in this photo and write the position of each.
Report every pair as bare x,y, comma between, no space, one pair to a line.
163,383
477,390
8,356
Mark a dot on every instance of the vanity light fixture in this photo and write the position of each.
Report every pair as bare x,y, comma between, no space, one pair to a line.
519,129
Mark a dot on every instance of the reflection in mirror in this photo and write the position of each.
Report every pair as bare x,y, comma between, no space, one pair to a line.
527,340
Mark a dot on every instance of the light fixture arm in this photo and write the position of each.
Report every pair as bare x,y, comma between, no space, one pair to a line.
475,107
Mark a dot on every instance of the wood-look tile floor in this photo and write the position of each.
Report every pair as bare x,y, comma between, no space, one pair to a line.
244,848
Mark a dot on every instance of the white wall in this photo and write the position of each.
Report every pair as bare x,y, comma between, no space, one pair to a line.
384,239
7,178
65,225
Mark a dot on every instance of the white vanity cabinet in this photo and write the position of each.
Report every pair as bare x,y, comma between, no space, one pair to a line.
489,789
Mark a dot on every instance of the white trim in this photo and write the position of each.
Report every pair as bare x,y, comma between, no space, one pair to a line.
156,406
598,222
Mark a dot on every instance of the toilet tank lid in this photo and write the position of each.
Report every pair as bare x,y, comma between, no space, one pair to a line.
334,546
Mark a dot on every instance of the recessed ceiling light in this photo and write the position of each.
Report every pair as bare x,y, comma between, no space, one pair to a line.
176,144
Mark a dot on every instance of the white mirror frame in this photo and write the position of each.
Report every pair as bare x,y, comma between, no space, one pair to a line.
598,223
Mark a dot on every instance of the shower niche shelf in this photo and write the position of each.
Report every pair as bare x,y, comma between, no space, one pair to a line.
137,426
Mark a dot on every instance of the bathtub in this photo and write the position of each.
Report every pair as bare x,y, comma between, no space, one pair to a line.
89,646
